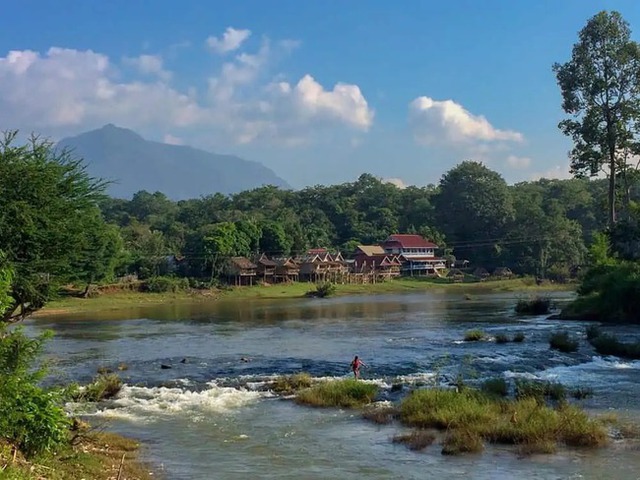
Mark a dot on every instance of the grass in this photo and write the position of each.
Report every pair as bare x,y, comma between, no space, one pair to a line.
495,386
338,393
474,335
606,344
470,418
563,342
540,390
128,299
94,455
537,305
104,386
502,338
416,440
290,384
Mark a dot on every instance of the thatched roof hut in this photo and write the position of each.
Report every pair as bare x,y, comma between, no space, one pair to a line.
503,272
481,273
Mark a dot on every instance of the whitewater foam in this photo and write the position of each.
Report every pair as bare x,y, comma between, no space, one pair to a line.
144,404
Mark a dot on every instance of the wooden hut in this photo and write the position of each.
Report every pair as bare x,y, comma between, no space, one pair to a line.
240,270
286,270
266,268
502,272
481,273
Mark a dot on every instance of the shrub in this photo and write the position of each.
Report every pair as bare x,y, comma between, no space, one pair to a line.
502,338
292,383
592,332
533,306
103,387
581,393
32,417
325,289
563,342
495,386
473,335
518,337
606,344
165,284
338,393
416,440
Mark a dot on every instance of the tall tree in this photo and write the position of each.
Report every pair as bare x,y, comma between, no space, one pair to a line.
46,196
601,91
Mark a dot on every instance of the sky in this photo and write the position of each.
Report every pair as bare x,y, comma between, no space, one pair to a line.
318,91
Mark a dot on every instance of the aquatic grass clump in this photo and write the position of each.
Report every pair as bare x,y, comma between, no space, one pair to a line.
416,440
497,387
563,342
338,393
533,306
471,417
539,390
502,338
593,331
103,387
606,344
474,335
289,384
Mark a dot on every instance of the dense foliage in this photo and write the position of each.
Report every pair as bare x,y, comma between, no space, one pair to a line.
539,228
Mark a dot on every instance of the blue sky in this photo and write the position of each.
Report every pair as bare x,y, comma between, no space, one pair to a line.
318,91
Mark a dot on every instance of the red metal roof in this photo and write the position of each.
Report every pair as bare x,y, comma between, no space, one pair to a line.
409,241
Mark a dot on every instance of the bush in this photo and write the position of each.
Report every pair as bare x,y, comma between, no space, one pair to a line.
416,440
473,335
502,338
592,332
606,344
518,337
103,387
382,415
533,306
495,386
32,418
563,342
292,383
338,393
325,289
165,284
462,441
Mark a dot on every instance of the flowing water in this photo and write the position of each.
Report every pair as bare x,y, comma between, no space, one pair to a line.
209,417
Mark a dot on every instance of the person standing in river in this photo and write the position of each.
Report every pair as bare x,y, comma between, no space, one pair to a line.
355,366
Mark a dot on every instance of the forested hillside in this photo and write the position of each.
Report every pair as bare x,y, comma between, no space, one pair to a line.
541,228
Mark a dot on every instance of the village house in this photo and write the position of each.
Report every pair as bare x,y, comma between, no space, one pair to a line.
266,268
416,254
240,270
286,270
372,260
320,265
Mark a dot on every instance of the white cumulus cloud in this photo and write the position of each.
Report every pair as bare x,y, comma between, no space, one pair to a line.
64,91
398,182
518,162
560,172
231,40
149,65
448,122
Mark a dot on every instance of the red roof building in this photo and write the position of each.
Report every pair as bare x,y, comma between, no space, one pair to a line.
416,253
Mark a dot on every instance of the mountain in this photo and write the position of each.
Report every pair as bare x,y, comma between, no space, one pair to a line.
178,171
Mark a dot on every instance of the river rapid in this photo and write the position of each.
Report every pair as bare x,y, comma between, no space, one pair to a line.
209,417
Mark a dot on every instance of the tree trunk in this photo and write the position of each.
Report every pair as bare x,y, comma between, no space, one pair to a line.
612,187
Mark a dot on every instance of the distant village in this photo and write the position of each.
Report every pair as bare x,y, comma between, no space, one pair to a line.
399,254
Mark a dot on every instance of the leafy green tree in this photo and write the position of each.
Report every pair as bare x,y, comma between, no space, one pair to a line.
46,195
274,239
6,279
473,207
601,91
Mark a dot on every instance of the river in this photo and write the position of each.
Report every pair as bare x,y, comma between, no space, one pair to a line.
206,417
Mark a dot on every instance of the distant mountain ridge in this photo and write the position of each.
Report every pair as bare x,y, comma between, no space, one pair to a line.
180,172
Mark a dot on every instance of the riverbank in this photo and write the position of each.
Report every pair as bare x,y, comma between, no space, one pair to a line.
97,455
117,300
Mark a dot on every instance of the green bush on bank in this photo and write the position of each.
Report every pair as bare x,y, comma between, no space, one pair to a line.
32,417
165,284
338,393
